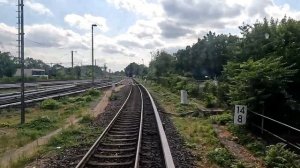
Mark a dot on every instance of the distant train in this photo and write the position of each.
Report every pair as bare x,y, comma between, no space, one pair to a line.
32,73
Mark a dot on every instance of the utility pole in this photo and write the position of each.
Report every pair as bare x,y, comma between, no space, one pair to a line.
93,77
21,6
19,32
72,57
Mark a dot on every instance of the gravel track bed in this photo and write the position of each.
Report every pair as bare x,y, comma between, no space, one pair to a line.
182,156
151,155
70,157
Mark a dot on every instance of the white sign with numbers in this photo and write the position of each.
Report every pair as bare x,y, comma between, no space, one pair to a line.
240,115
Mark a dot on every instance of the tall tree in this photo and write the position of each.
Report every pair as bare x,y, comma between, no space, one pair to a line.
7,65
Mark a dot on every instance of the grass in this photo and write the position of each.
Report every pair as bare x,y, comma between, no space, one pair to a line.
82,134
40,120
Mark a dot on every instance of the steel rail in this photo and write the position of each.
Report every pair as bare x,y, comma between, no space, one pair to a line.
166,153
67,93
137,156
169,163
94,147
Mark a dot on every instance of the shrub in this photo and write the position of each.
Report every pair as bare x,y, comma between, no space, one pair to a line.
50,104
93,92
192,89
221,157
222,119
210,100
88,98
278,156
79,99
36,128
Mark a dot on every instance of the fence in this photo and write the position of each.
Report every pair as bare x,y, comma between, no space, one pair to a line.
276,122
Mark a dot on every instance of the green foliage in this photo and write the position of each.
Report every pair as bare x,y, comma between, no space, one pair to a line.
36,128
93,92
256,146
67,138
88,98
162,64
209,94
222,119
253,82
278,156
136,69
50,104
86,119
7,65
221,157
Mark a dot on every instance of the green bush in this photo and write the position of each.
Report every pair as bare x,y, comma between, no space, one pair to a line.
93,92
88,98
278,156
210,100
50,104
221,157
222,119
192,89
36,128
79,99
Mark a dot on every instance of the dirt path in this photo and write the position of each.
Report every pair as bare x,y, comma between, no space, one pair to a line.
31,148
237,150
104,101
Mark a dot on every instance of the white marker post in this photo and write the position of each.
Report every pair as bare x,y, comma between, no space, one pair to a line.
183,97
113,87
240,115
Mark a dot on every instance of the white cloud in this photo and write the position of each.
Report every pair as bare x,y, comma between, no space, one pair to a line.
84,22
38,7
142,7
157,26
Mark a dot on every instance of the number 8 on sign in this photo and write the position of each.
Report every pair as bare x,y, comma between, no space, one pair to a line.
240,114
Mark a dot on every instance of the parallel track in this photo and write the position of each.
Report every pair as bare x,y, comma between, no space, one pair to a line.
133,138
14,100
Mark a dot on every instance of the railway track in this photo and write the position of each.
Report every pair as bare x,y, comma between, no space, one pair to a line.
13,100
134,138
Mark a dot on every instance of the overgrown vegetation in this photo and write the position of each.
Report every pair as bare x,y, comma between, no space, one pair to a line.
278,156
222,119
93,92
36,128
50,104
221,157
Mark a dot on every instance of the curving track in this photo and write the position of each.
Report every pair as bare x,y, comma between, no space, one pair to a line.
134,138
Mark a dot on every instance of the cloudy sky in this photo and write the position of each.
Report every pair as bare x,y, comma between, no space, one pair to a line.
128,29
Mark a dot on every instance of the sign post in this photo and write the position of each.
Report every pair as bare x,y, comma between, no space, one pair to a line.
240,115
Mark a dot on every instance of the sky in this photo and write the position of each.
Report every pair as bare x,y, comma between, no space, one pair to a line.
128,30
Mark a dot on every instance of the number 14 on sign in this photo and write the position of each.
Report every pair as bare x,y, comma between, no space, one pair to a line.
240,115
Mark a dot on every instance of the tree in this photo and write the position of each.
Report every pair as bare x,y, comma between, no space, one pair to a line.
7,65
135,69
162,64
258,83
